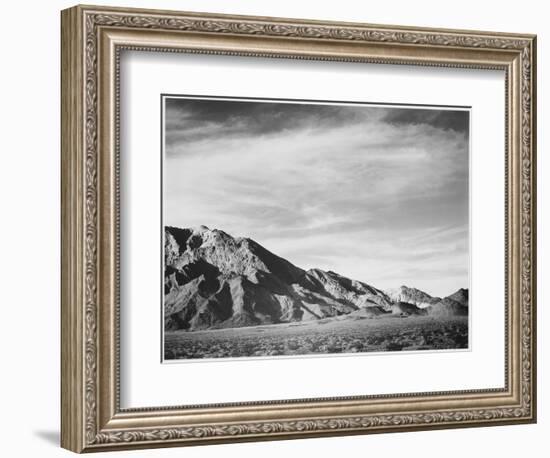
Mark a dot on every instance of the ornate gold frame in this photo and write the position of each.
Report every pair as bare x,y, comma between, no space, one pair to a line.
92,38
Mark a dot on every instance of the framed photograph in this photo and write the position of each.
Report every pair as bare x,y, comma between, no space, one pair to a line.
278,228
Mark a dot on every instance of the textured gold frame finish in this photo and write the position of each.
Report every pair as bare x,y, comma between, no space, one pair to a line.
92,38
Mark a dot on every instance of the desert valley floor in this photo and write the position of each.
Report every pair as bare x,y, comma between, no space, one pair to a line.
342,334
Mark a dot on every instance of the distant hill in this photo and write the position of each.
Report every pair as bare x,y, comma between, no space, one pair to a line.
214,280
412,296
447,307
461,296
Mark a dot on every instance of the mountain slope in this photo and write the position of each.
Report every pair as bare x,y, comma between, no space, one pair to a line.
412,296
214,280
461,296
447,307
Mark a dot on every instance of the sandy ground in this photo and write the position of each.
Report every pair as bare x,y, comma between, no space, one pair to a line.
331,335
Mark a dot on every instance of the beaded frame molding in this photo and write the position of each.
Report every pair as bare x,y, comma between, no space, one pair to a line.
92,40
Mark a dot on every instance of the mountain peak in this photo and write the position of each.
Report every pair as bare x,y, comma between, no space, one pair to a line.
412,296
230,255
200,229
461,296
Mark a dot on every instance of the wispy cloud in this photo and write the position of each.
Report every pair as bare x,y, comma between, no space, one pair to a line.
377,194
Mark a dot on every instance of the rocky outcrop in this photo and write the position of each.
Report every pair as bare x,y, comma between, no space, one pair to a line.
447,307
406,309
461,296
412,296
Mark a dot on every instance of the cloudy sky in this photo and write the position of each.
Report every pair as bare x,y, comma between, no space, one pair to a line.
378,194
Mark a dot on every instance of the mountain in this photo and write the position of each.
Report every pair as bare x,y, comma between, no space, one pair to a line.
454,305
214,280
412,296
461,296
447,307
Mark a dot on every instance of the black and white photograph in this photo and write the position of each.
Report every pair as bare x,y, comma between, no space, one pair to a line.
302,228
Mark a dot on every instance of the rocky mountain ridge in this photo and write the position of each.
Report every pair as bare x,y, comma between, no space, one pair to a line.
412,296
214,280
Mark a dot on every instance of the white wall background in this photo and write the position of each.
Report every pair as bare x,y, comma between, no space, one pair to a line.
29,232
